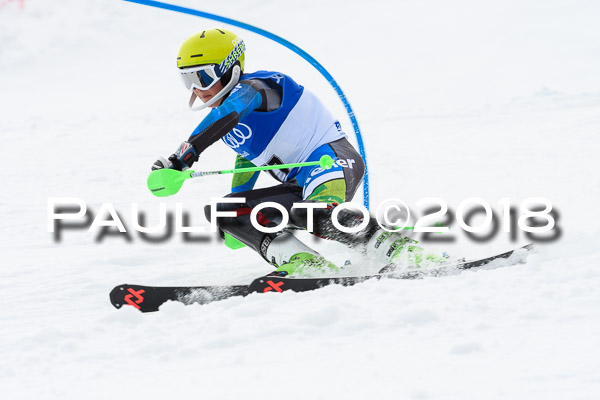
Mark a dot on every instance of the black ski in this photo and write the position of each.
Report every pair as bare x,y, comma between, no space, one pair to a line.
150,298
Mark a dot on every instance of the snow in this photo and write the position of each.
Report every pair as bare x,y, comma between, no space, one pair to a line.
466,98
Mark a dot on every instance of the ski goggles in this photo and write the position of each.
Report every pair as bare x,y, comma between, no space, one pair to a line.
203,77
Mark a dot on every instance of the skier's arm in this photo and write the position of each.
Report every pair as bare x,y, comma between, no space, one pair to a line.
246,96
242,100
246,180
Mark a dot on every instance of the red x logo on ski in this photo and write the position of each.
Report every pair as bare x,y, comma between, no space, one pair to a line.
273,286
138,296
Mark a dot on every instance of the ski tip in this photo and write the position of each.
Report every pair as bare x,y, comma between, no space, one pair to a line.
135,296
117,295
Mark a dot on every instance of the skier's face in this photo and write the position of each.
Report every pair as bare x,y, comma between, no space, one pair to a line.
206,95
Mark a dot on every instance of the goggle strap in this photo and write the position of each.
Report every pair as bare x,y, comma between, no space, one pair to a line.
231,58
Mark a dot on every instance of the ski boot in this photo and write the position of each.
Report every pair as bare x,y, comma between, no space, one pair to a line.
292,257
306,264
396,250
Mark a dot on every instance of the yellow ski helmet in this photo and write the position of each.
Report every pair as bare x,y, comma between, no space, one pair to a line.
208,57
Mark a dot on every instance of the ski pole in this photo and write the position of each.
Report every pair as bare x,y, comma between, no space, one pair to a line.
167,182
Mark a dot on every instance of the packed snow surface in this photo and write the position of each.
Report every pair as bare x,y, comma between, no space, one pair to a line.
494,99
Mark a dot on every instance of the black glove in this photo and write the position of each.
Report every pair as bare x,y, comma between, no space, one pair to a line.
184,157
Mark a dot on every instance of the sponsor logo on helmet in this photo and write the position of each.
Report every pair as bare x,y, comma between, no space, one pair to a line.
232,57
238,136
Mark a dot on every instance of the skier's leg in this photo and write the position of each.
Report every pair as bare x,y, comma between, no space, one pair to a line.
332,186
240,226
337,185
373,241
281,249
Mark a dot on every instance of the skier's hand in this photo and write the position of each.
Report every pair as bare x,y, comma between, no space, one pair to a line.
161,163
182,159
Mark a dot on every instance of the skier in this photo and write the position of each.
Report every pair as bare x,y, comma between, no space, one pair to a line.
268,119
